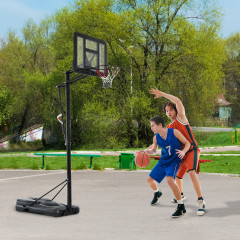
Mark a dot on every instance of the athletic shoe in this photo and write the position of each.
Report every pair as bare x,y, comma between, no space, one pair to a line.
156,196
174,200
180,210
202,208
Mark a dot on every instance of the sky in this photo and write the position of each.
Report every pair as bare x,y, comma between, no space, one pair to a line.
15,13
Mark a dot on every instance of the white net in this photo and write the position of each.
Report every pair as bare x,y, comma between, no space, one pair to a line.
111,73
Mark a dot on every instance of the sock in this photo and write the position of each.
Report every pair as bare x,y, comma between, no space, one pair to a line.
200,198
180,201
156,190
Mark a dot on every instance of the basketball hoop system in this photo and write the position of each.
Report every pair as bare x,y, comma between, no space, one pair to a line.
90,59
107,74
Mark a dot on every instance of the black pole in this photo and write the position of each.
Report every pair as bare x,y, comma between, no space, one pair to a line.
68,142
68,137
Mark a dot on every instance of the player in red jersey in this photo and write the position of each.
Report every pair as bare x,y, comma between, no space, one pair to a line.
176,112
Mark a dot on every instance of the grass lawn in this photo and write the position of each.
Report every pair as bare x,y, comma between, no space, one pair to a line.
219,164
213,139
226,152
54,163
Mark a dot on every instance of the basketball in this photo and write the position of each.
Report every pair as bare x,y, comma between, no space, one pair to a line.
142,159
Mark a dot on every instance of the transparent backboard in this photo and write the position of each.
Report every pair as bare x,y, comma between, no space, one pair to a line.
89,54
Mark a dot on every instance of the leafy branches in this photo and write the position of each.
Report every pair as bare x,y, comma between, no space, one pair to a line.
171,44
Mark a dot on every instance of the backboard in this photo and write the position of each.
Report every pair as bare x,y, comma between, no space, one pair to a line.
89,54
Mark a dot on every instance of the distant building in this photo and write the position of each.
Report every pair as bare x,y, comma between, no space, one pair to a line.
29,135
224,108
32,134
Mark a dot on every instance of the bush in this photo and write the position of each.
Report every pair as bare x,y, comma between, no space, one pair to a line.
15,165
81,166
35,167
26,146
97,166
48,167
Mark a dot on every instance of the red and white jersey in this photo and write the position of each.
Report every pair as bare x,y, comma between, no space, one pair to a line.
185,130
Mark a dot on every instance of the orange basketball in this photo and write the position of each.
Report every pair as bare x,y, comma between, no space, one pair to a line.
142,159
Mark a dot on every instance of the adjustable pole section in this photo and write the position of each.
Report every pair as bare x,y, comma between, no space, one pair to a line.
68,142
68,135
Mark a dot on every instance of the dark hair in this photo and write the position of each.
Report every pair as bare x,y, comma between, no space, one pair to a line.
170,104
157,120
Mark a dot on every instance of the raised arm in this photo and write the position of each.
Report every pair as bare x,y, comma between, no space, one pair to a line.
180,108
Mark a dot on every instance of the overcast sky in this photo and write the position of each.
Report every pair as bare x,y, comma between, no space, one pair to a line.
15,13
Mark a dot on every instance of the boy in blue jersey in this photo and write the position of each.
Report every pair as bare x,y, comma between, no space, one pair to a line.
171,155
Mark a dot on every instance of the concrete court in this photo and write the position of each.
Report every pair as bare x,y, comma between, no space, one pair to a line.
115,205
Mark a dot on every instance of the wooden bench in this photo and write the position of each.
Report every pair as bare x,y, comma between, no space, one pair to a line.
64,154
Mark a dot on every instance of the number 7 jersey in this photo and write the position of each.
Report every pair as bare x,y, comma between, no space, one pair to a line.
169,147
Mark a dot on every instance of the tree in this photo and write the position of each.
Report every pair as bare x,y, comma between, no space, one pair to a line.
170,44
5,112
24,66
176,45
232,75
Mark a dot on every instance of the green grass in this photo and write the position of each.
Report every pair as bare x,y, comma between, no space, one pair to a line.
226,152
204,139
212,139
54,163
219,164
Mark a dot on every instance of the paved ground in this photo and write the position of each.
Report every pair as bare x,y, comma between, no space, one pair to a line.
220,149
212,129
114,205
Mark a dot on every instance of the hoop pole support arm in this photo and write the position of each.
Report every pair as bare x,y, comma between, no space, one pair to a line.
73,80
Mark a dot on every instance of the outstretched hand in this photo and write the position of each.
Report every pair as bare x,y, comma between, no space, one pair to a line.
156,92
180,153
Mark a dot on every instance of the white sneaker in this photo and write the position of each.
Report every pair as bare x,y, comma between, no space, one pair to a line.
201,208
174,200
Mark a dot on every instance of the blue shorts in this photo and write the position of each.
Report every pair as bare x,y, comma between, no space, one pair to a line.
160,171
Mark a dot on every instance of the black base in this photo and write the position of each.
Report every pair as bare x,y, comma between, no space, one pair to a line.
45,206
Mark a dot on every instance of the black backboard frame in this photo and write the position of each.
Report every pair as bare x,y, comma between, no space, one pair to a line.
84,68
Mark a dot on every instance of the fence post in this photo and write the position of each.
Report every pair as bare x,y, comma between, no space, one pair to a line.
236,136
